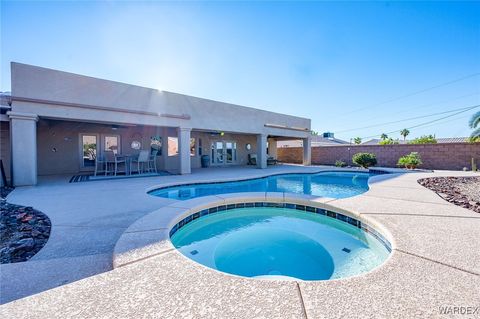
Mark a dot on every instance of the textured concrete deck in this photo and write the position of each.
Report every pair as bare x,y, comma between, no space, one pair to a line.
435,260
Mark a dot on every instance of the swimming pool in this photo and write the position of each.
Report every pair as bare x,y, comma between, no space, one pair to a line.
291,241
325,184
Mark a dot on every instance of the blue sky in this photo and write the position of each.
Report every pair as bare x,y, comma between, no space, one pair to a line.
345,65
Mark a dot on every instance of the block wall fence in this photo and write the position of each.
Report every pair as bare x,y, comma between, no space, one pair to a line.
447,156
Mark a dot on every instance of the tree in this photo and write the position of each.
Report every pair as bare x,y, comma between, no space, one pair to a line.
314,133
404,133
384,136
357,140
388,141
474,123
424,139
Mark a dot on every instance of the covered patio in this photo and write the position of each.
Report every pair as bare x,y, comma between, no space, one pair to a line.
81,149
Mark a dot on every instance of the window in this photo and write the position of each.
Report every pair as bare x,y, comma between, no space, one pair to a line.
89,147
156,144
192,146
172,146
112,144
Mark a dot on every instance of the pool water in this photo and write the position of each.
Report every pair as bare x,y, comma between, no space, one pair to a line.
263,241
327,184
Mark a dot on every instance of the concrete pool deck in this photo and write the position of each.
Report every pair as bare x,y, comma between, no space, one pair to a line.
435,261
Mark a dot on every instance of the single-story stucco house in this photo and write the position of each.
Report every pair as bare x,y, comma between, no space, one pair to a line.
56,122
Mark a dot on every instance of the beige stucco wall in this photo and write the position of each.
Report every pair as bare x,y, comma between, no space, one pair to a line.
106,101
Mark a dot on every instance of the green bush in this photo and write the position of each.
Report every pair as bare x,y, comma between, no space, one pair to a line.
474,139
340,163
410,161
388,141
365,160
425,139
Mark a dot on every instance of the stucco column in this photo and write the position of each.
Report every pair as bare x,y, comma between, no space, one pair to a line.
262,151
183,134
272,147
23,140
307,151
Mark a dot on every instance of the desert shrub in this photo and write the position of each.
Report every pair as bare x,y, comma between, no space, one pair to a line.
340,163
425,139
388,141
410,161
365,160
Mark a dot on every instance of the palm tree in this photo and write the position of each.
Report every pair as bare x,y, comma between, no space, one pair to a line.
384,136
404,133
473,123
357,140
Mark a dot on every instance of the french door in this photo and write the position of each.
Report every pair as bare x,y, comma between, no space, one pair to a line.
224,152
93,145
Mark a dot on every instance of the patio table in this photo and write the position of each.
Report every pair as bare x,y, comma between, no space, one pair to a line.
128,158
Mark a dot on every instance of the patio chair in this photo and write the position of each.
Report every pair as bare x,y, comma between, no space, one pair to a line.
119,161
141,161
272,161
99,160
115,161
252,159
109,160
152,161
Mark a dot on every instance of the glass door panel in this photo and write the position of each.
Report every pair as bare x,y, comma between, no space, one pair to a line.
112,143
219,157
229,152
89,150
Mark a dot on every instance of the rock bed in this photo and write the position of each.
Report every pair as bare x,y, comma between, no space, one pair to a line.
461,191
23,231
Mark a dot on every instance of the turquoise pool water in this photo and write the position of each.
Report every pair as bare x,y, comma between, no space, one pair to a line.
327,184
264,241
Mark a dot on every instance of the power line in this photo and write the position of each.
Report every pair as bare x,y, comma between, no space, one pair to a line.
429,122
447,121
416,108
399,121
415,93
435,103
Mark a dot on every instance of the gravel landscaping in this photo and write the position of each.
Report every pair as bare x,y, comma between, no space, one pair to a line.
23,231
461,191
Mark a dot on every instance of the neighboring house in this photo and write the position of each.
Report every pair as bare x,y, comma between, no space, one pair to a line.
59,122
317,140
440,140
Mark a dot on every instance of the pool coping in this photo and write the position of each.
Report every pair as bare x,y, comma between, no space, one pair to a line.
233,180
136,243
